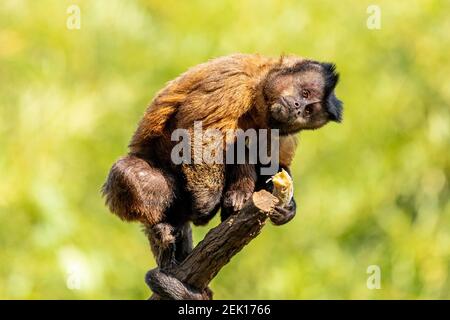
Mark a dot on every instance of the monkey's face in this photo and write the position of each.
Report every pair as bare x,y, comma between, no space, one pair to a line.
302,97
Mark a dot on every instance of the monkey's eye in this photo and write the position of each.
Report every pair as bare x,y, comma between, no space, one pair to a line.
305,93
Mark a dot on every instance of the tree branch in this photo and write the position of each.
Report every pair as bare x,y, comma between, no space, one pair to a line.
223,242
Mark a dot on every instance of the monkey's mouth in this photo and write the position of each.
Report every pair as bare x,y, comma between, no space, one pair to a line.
291,115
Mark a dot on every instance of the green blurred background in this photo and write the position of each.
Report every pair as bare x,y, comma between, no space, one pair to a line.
372,191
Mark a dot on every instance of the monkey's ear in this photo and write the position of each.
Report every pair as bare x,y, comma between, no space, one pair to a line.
334,108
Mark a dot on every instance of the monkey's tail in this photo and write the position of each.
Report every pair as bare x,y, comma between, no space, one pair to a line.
168,287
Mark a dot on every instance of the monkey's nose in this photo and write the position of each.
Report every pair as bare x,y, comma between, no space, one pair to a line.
292,103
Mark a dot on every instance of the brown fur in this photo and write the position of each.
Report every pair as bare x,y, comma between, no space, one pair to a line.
232,92
224,93
136,190
217,92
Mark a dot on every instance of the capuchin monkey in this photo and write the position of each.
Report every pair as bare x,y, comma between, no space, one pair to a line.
240,91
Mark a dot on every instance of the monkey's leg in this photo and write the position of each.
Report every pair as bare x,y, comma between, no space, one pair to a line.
162,240
183,242
169,244
241,180
138,190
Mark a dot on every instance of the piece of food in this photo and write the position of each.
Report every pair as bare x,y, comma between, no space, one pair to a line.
283,187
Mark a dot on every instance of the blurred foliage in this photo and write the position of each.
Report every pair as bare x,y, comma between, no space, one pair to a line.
372,191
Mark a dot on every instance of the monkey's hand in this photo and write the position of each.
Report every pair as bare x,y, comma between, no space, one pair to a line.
235,199
283,214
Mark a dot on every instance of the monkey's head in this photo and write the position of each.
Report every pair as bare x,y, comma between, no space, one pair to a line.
302,96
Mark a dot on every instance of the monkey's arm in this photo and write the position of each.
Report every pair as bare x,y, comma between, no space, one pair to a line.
282,214
243,182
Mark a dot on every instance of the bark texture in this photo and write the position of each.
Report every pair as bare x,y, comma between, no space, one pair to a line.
221,244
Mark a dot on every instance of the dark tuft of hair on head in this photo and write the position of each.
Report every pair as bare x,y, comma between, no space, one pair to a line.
330,75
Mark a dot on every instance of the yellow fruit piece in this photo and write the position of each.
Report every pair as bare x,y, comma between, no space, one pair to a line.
283,187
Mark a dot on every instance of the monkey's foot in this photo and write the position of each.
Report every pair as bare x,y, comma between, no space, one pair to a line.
282,215
163,233
162,237
167,287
